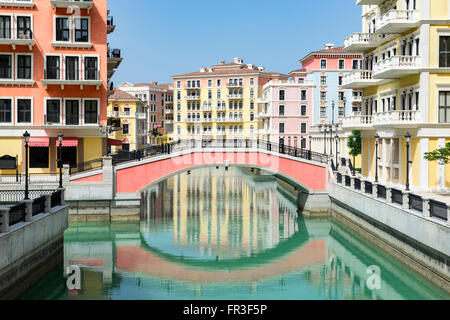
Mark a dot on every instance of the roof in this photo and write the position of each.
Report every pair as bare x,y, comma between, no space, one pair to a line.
302,70
122,95
333,51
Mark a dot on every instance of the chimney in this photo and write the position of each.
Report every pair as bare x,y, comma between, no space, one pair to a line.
329,46
222,61
155,82
203,69
238,60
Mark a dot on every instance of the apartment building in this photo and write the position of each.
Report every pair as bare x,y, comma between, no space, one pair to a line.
154,96
332,102
167,111
218,102
405,79
285,110
53,79
127,114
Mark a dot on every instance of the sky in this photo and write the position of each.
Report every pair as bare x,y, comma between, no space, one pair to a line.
162,38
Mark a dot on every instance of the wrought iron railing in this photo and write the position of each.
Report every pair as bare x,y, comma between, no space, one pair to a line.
39,205
86,166
14,196
17,214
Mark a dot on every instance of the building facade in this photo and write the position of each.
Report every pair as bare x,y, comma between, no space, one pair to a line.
218,102
285,110
127,115
332,101
154,96
405,79
53,79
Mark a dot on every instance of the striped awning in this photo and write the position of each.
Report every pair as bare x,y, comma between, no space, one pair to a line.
39,142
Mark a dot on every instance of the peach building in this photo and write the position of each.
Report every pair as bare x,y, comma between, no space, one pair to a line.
53,79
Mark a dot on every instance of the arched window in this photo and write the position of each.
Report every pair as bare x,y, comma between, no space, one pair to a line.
240,105
240,129
252,129
178,106
235,129
252,93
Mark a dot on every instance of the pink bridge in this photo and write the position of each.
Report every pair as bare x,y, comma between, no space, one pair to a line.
133,177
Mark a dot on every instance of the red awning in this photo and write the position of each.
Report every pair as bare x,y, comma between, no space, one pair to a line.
68,142
39,142
114,142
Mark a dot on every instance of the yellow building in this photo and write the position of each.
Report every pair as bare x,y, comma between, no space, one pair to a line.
405,77
128,118
219,102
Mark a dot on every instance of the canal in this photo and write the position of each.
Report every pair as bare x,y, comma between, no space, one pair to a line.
227,235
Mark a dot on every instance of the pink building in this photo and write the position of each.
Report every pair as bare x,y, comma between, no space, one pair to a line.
285,110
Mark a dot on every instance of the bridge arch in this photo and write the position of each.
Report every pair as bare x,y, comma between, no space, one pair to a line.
132,178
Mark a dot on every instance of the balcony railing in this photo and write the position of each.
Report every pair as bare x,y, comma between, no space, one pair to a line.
17,3
235,96
192,98
234,84
357,121
388,118
365,41
397,66
358,79
16,36
397,21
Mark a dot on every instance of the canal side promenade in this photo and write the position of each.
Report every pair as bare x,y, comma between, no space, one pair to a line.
31,241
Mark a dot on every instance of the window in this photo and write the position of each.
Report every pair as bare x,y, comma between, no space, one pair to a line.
5,110
340,80
323,112
341,64
91,68
178,95
5,27
323,64
91,111
252,93
444,107
252,116
303,143
444,51
24,28
178,84
218,94
355,64
281,110
303,127
341,96
39,157
72,112
125,146
72,68
323,80
303,95
252,105
125,128
303,110
209,94
281,127
340,112
252,81
218,83
281,95
209,83
323,96
52,67
53,111
62,29
5,66
81,30
23,110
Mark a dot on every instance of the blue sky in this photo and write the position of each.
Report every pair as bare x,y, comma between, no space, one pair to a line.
163,38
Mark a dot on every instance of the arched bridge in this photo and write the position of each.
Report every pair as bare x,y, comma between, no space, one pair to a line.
129,179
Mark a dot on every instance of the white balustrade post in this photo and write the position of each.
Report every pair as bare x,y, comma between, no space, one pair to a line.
426,206
388,195
405,200
374,190
28,210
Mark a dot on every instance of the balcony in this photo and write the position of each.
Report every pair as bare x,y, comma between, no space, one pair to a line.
235,96
17,37
26,4
264,114
71,77
141,115
359,79
366,41
222,120
206,108
396,67
356,99
82,4
393,118
114,58
110,26
235,85
113,114
190,98
199,120
398,21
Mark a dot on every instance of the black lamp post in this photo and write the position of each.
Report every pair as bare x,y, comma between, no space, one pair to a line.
60,161
354,151
332,114
408,141
345,103
377,141
324,138
26,138
310,143
331,136
337,141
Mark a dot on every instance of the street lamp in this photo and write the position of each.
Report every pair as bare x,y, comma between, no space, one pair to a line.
331,137
324,137
106,130
408,141
377,140
354,151
332,114
26,138
60,161
337,141
310,143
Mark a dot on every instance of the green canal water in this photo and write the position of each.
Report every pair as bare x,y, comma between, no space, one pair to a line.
219,234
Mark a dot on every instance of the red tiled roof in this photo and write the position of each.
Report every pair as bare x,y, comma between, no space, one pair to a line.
122,95
337,50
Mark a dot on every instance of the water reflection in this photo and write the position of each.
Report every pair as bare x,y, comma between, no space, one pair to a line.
216,234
